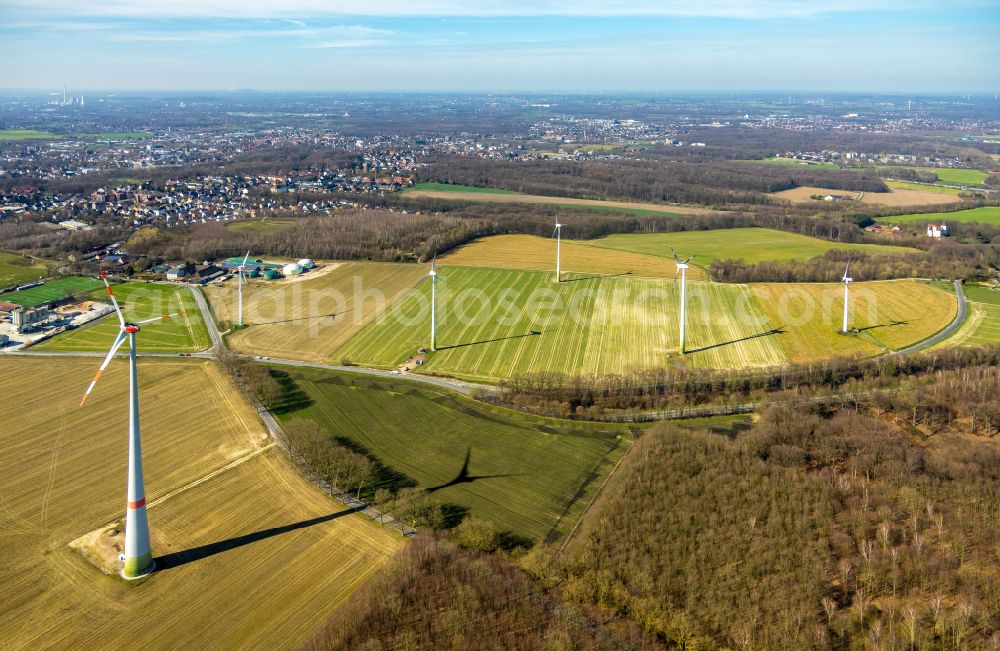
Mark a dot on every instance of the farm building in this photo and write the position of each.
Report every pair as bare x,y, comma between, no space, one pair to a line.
937,230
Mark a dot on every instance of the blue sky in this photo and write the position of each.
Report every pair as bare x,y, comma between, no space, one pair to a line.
502,45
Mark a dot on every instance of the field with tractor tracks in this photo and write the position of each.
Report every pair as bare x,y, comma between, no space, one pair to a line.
235,529
494,323
315,314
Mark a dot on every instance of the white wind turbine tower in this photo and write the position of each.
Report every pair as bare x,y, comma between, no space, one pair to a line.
138,556
847,283
557,233
433,276
682,267
241,272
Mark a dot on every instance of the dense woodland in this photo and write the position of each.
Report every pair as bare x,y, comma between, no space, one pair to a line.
625,397
435,595
810,530
714,183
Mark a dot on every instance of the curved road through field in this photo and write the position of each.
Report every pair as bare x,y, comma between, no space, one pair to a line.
943,334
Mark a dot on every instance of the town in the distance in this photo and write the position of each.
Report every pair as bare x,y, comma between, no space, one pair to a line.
566,370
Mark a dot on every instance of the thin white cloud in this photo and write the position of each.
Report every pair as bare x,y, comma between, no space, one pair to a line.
300,9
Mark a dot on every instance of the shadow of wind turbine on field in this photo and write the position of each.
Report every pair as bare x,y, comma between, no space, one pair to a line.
183,557
332,315
463,476
532,333
774,331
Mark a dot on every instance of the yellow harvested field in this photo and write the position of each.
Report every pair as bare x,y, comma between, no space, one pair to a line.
310,318
491,197
249,554
890,315
539,253
895,197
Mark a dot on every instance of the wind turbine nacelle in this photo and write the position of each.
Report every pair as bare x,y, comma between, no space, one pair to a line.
682,265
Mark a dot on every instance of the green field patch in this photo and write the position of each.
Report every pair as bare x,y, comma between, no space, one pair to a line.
26,134
455,187
959,176
529,476
52,290
749,244
495,323
983,215
986,325
792,162
184,331
18,269
903,185
258,226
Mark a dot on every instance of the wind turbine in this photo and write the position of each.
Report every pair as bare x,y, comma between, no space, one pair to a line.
682,267
847,283
557,233
241,272
138,556
433,275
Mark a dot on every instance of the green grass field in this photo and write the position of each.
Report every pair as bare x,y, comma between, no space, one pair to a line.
791,162
987,327
16,269
257,226
495,322
454,187
51,291
903,185
983,215
750,244
185,332
959,177
530,476
26,134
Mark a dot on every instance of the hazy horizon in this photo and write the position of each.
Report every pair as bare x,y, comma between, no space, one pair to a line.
641,46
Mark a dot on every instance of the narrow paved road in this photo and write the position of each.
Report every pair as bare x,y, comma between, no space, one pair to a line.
465,388
947,332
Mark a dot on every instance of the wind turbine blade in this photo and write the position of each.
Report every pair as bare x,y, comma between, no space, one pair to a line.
434,262
674,252
245,259
158,318
122,336
121,317
554,231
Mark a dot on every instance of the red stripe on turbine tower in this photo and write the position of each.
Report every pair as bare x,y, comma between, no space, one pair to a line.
137,503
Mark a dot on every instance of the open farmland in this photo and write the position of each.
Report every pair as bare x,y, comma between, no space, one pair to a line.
530,476
749,244
539,253
26,134
917,195
497,197
16,269
982,326
311,316
235,530
455,187
983,215
259,226
959,176
51,291
921,187
184,331
494,323
891,315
